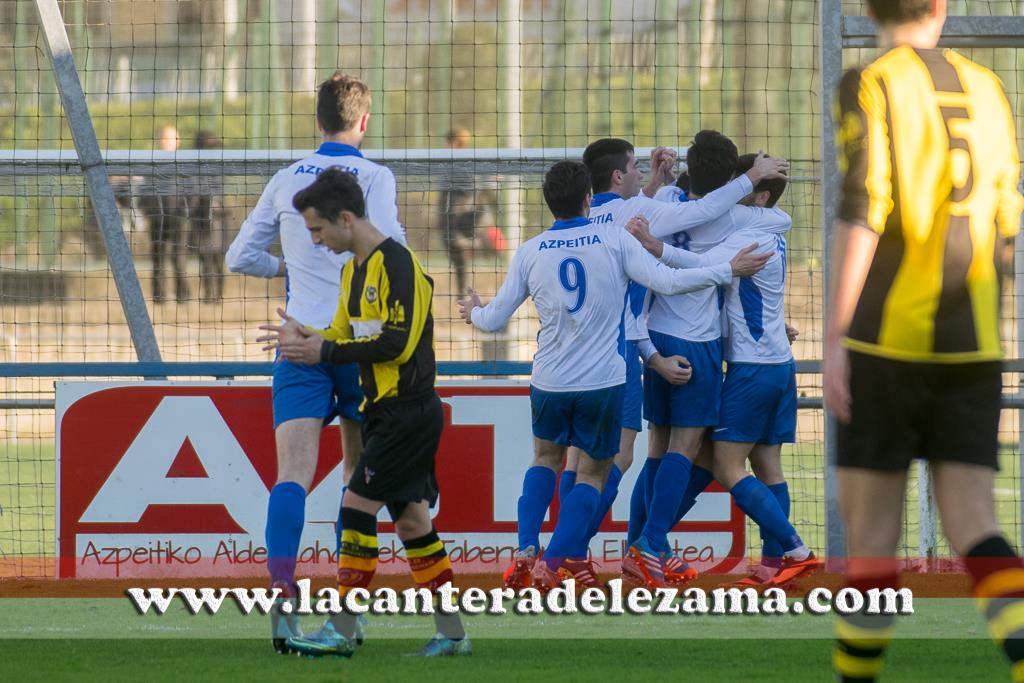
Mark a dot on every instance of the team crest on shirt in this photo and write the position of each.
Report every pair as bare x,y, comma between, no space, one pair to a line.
371,294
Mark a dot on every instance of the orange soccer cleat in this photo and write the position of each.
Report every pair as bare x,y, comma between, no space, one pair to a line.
792,569
644,565
678,571
517,576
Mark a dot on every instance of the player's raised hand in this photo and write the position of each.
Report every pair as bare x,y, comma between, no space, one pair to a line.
674,369
766,167
745,263
467,305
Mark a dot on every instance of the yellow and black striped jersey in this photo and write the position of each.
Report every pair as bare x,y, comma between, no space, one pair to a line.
929,155
384,323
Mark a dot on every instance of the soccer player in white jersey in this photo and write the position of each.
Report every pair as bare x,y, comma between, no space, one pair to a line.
306,397
617,197
577,273
691,326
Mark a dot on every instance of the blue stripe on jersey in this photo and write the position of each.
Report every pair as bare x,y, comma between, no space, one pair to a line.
602,198
781,243
566,223
753,307
635,294
337,149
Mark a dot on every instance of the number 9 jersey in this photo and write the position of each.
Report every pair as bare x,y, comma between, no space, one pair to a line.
577,273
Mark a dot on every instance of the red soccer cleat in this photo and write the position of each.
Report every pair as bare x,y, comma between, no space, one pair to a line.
582,571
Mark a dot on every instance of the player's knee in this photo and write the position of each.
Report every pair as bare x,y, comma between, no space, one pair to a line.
411,527
728,474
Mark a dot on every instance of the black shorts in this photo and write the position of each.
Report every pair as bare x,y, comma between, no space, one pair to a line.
399,449
939,412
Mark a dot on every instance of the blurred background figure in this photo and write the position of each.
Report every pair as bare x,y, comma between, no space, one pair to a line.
165,210
467,216
208,221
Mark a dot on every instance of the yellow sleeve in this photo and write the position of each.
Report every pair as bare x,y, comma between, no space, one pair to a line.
864,155
1010,203
340,328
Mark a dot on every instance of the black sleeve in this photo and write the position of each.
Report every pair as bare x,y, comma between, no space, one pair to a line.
852,138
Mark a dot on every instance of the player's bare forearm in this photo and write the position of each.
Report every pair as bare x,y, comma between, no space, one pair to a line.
853,249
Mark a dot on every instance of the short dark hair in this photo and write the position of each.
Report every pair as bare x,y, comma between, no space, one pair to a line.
710,162
899,11
604,157
566,185
773,186
683,182
341,101
331,193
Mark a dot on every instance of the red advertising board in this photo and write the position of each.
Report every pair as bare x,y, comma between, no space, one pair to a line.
171,479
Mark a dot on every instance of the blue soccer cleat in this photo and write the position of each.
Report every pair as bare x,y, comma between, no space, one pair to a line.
361,622
442,646
323,643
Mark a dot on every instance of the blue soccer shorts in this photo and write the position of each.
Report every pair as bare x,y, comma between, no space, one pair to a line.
321,390
694,404
633,401
588,420
758,404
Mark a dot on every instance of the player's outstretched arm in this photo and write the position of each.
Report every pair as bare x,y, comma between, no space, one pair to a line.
743,262
643,268
511,295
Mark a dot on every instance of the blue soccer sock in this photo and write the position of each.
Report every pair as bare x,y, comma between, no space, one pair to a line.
565,483
669,486
608,494
538,492
638,503
574,518
286,514
651,475
754,498
771,549
700,479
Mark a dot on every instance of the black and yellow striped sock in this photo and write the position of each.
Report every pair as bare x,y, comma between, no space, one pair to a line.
431,569
357,560
998,575
861,639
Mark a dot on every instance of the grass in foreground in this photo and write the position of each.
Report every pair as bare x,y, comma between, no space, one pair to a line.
493,661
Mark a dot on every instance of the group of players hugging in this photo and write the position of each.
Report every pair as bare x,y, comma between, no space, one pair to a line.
641,292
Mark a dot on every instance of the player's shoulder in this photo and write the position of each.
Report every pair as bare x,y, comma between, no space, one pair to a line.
669,193
977,73
397,256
